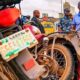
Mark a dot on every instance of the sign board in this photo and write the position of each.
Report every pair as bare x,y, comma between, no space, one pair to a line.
48,27
13,44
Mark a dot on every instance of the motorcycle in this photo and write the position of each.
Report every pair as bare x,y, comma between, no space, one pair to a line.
64,48
62,58
23,57
58,56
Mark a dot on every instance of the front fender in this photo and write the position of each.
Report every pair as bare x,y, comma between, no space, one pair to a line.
69,38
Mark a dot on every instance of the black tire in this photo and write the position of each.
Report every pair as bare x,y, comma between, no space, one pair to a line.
69,68
6,72
3,76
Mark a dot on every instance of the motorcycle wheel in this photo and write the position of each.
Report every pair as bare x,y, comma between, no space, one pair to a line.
6,72
65,67
3,77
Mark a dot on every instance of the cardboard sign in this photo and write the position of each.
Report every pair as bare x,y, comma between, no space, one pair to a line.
13,44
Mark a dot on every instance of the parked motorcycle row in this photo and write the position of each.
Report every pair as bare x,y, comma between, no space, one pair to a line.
25,55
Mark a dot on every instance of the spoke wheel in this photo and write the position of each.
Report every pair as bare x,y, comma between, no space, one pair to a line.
61,66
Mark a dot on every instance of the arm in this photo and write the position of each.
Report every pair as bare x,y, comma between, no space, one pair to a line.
34,22
73,27
60,25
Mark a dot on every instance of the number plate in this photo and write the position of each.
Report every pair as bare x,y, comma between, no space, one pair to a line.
13,44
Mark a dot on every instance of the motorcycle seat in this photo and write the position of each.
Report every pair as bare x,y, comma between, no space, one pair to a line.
39,37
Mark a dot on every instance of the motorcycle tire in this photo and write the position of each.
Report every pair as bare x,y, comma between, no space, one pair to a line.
3,76
69,67
6,72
